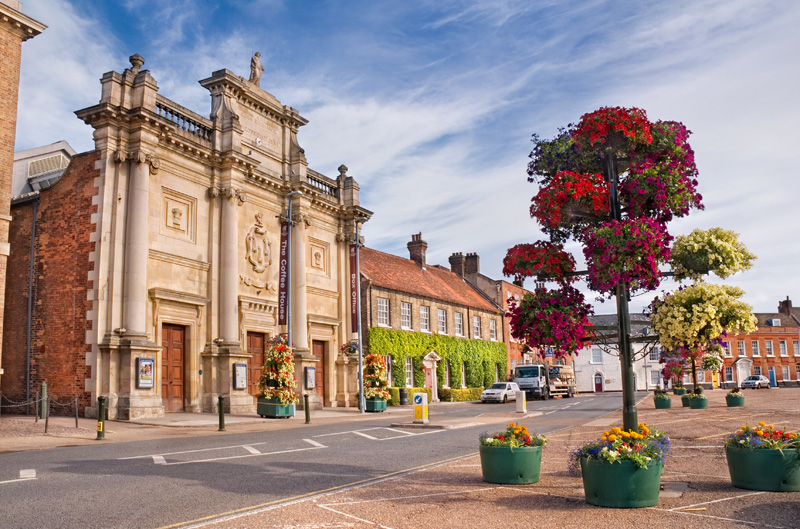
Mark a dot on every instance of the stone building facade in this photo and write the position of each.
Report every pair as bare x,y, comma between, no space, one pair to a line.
177,253
15,28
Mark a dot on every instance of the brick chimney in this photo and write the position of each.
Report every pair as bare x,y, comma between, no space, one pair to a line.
785,306
457,263
472,264
416,249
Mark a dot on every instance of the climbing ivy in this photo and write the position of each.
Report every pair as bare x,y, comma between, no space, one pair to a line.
482,358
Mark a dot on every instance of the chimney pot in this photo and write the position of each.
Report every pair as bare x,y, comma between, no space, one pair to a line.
416,249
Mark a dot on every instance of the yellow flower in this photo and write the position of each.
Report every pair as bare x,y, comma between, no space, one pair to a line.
616,430
512,425
604,438
612,438
606,434
744,427
771,427
762,424
759,433
625,434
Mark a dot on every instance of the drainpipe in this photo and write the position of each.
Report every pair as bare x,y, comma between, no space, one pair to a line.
30,310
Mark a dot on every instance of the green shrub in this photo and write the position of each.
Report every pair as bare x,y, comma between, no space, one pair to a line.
460,395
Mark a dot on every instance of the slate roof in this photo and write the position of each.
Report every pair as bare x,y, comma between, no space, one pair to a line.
405,275
786,321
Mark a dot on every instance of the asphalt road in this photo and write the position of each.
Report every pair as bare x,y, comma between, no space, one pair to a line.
151,484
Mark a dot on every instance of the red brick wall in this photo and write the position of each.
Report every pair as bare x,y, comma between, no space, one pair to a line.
61,285
11,53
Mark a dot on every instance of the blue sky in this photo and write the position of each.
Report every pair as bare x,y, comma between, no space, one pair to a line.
431,104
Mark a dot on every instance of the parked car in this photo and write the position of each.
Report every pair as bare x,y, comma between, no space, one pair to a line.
755,381
500,392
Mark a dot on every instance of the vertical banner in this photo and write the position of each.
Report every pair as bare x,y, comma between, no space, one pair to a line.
353,289
283,274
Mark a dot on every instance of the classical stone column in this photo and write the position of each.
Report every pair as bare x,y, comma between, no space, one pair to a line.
299,306
136,245
229,266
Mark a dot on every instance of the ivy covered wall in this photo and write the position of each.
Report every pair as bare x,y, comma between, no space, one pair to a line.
482,357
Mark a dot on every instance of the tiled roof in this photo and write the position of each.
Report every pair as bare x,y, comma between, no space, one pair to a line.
786,321
400,274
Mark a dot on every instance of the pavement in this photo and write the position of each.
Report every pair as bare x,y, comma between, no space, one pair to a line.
696,490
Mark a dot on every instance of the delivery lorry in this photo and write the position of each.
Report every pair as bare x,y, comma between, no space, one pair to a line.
539,380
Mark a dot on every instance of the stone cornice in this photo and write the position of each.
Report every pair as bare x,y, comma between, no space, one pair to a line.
21,25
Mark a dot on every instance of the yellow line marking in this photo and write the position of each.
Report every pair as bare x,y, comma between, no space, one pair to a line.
310,494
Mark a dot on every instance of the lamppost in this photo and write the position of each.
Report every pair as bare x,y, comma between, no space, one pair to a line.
362,403
629,414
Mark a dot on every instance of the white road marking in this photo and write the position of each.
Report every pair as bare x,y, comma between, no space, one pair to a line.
187,451
678,509
251,449
159,460
400,431
362,434
27,474
376,524
314,443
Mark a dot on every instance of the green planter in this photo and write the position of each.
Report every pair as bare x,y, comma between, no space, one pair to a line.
663,404
734,401
679,391
511,466
273,409
375,405
621,484
686,400
764,469
698,403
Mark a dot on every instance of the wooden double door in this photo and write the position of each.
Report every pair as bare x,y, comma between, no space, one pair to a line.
256,346
173,339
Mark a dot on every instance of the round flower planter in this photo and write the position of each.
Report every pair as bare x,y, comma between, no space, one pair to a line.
663,404
764,469
511,466
375,405
686,400
679,391
734,401
698,403
273,409
621,484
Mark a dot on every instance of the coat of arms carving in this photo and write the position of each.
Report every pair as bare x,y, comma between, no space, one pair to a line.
259,251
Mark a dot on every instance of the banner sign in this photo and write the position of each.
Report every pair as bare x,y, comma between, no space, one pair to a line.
353,289
283,274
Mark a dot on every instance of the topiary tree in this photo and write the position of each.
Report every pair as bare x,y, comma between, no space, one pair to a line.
612,183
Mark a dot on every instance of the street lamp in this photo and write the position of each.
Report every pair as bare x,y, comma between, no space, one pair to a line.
362,403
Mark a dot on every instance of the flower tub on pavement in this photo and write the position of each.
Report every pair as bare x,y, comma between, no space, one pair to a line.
622,469
662,399
511,457
764,458
698,401
686,400
734,398
679,391
277,382
376,383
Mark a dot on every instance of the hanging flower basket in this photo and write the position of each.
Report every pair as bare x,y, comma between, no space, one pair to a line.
557,319
617,129
626,252
566,194
714,250
543,260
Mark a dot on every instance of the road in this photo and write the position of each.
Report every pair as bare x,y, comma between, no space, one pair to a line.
151,484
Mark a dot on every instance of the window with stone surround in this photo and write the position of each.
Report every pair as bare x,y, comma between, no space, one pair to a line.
655,377
740,348
796,346
729,374
655,354
441,318
476,327
425,318
383,312
405,315
782,348
493,330
447,373
459,321
756,370
768,344
786,374
387,359
754,347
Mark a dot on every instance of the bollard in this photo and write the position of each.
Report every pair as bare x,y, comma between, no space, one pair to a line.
305,406
44,400
101,418
221,406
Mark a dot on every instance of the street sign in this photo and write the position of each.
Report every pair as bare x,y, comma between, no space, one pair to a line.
421,408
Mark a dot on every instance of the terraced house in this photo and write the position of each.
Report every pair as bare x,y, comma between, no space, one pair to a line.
434,328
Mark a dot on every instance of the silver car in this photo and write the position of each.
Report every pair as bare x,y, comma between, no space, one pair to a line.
755,381
500,392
